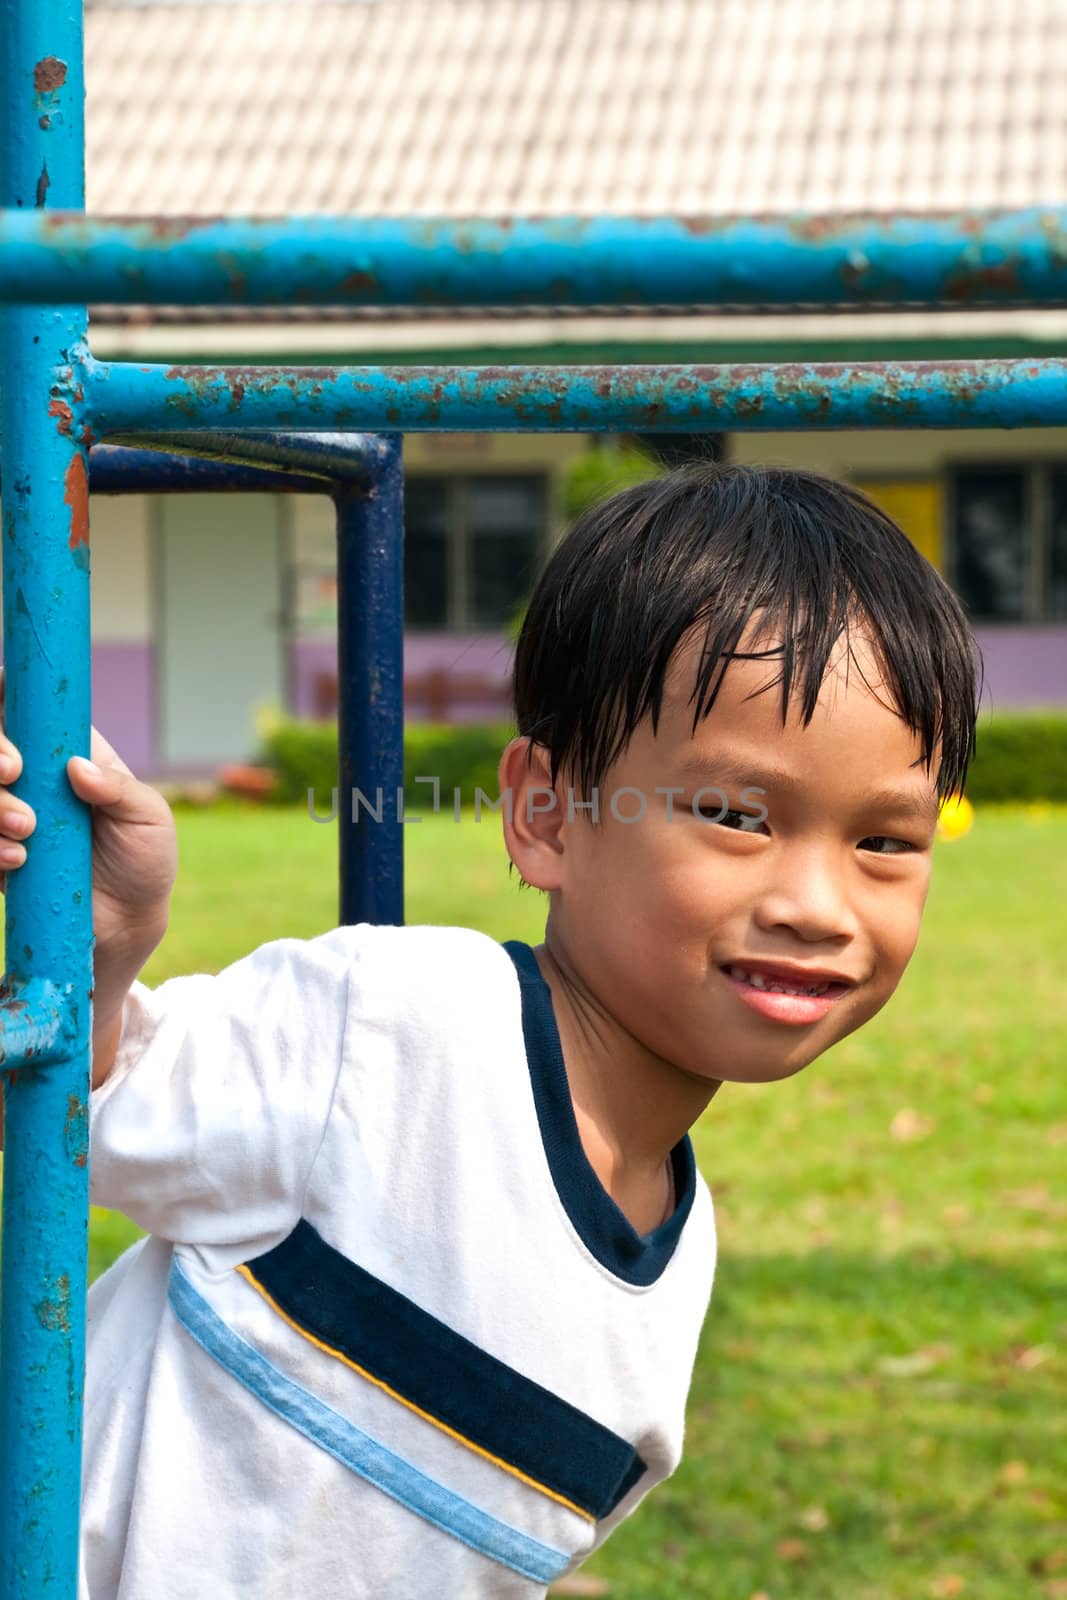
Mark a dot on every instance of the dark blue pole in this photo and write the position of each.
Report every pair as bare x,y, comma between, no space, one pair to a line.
47,988
370,682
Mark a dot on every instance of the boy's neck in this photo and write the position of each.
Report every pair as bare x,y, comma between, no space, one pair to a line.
631,1106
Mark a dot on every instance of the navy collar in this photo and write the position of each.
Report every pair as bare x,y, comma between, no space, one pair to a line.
606,1232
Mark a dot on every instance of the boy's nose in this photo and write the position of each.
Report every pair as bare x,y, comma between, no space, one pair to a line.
807,895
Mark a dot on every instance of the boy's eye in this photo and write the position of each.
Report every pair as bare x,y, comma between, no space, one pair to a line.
741,821
881,844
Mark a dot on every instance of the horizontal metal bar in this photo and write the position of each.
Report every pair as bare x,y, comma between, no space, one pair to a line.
36,1023
337,457
114,469
966,258
798,396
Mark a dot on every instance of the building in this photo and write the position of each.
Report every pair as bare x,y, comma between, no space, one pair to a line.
520,107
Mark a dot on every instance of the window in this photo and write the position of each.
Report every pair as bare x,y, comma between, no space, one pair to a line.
1057,587
472,548
1009,541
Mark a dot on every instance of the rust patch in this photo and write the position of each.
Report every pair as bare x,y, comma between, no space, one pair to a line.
817,229
359,283
9,999
49,74
165,229
44,122
980,283
76,496
59,408
44,183
699,226
85,437
76,1130
171,228
54,1314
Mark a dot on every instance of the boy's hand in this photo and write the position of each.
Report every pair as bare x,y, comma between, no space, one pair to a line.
135,850
135,862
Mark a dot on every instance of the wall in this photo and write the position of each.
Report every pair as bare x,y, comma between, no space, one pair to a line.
123,648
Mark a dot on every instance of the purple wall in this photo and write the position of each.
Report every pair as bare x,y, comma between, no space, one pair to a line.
124,701
1025,665
481,655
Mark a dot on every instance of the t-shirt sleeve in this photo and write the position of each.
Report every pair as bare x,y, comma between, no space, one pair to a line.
207,1127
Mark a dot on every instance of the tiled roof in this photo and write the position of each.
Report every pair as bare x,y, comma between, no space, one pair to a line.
553,106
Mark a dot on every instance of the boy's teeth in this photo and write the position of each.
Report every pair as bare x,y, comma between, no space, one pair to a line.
758,981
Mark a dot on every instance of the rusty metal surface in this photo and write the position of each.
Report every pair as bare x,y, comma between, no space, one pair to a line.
1003,257
1024,392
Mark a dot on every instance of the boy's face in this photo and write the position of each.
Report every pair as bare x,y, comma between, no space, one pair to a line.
685,928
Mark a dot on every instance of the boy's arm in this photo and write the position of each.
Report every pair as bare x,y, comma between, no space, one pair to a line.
206,1130
134,864
114,974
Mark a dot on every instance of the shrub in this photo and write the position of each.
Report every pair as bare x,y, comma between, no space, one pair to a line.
1020,756
462,756
602,471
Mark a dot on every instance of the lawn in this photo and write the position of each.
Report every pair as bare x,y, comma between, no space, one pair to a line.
879,1405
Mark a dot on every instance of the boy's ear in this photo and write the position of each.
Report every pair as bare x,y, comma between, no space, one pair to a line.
533,813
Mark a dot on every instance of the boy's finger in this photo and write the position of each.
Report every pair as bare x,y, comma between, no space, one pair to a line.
115,791
17,819
103,754
10,760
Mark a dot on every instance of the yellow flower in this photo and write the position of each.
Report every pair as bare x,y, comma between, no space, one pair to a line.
955,817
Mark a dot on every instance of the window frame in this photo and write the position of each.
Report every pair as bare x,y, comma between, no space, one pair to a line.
460,543
1037,530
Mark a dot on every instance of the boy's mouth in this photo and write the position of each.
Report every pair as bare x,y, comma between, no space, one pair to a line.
780,981
786,994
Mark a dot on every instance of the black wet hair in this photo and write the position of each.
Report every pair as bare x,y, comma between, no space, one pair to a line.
709,546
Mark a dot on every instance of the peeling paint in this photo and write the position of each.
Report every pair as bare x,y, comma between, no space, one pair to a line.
49,74
59,408
53,1312
76,496
76,1130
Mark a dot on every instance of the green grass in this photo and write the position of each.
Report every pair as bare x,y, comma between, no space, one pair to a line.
878,1410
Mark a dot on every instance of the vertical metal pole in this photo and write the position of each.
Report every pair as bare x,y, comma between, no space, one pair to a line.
370,689
45,515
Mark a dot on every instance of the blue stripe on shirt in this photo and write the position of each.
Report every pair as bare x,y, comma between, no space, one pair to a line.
356,1449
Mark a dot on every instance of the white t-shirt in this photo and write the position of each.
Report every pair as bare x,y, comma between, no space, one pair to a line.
389,1336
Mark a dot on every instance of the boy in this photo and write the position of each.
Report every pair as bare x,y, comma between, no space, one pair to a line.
428,1252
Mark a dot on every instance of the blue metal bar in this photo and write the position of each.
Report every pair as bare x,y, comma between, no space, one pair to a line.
1006,257
114,469
370,682
334,458
896,394
35,1024
49,909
